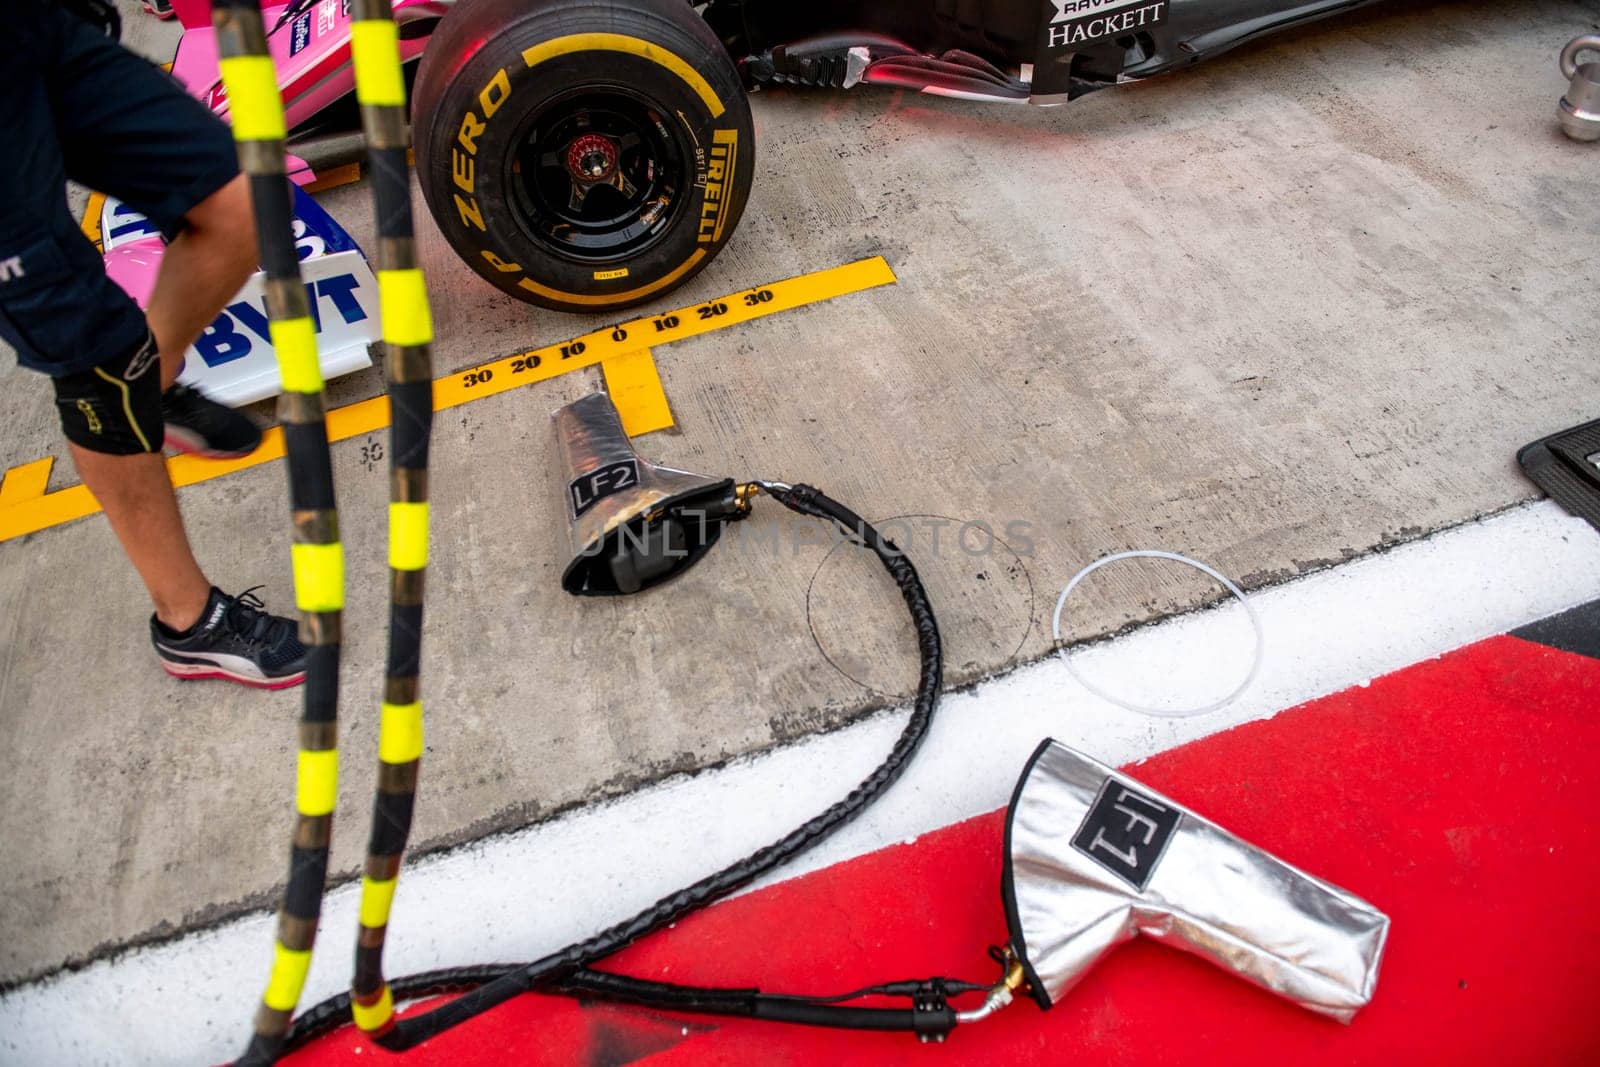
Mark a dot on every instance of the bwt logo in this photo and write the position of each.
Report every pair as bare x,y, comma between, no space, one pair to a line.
227,339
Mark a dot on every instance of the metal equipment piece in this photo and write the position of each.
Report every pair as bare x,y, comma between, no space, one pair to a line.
631,524
1580,108
1094,859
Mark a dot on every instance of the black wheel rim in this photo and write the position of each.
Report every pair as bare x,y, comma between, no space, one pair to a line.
599,175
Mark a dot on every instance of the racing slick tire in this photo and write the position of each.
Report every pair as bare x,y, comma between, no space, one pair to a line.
582,155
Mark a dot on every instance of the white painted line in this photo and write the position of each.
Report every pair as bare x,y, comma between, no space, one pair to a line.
519,896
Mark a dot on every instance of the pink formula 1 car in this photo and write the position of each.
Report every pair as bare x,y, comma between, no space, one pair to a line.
589,155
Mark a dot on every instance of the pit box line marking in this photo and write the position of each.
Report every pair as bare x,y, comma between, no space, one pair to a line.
90,223
635,386
25,508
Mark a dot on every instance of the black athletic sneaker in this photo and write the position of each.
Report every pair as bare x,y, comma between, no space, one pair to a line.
204,427
235,639
161,9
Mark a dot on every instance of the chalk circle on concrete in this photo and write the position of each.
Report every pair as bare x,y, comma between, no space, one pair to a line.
981,590
1155,672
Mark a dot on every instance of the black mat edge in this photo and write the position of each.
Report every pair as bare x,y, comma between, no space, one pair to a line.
1562,475
1576,630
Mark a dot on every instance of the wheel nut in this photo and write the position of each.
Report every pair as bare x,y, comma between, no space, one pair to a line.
591,158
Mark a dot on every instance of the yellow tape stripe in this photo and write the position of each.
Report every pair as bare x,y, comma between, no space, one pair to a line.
635,387
90,223
376,899
376,1017
317,782
400,733
296,343
617,42
403,304
408,536
375,47
538,365
318,576
542,364
289,968
254,105
26,482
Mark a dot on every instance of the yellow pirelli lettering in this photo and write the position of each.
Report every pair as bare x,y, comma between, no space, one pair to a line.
725,164
318,576
400,733
403,302
289,968
254,106
295,341
374,45
317,782
376,1016
408,536
376,899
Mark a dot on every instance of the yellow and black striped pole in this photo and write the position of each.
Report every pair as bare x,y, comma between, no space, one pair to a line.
316,554
408,337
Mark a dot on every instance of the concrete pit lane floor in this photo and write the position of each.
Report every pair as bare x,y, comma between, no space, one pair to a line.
1285,309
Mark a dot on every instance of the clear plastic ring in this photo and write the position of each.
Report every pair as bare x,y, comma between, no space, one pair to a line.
1238,594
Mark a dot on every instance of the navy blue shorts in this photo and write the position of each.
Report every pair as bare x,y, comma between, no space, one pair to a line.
115,407
78,105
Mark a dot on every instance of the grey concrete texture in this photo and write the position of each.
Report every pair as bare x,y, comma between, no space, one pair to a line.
1274,312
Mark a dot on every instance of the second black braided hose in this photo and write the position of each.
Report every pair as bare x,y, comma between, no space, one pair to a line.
494,984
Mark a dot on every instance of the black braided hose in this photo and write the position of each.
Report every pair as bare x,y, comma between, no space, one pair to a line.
408,365
567,971
316,552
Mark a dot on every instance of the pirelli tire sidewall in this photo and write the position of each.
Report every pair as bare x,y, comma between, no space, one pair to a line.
469,122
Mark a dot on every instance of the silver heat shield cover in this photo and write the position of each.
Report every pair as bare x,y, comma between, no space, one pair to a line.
1095,859
613,497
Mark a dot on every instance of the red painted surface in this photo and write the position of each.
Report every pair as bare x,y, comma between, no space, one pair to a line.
193,13
1460,795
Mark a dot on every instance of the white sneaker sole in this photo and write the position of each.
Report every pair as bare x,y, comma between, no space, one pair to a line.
193,444
194,672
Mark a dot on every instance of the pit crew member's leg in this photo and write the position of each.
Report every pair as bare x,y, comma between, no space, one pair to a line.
111,416
77,105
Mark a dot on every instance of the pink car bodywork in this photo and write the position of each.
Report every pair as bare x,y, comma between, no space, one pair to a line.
311,51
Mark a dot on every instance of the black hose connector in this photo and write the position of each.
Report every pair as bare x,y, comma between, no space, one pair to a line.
929,1019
